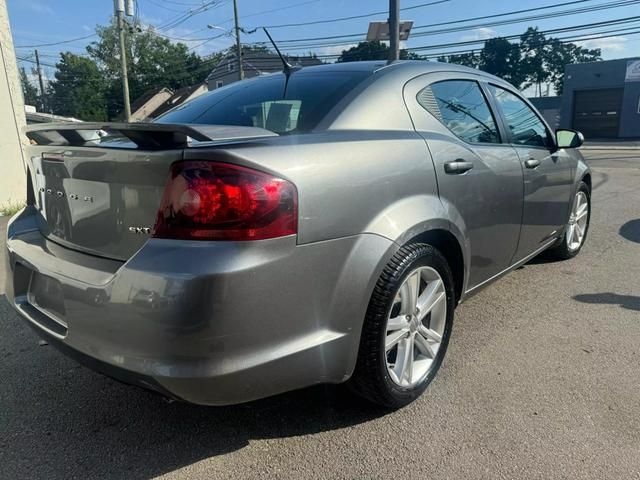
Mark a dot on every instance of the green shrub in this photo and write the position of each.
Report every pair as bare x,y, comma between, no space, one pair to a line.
11,208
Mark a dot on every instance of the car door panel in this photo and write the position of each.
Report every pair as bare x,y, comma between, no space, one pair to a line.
547,191
487,198
547,172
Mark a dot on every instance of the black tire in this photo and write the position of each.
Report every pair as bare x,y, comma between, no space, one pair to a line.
561,250
371,379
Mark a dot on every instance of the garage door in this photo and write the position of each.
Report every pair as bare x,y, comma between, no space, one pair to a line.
596,113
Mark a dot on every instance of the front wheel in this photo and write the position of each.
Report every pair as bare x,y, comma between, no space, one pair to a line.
407,327
575,232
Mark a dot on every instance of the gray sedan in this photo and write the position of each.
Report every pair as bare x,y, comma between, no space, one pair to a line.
318,226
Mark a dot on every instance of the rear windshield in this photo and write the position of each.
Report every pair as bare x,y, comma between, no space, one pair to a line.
264,102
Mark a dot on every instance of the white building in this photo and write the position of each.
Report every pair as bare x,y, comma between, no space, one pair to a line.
12,119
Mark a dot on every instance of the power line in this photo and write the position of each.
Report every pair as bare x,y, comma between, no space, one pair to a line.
619,20
57,43
160,5
470,19
191,13
286,7
207,64
353,17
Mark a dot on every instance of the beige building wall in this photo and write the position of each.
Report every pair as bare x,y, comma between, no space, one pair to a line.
12,118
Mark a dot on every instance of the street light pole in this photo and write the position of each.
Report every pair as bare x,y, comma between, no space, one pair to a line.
119,8
394,30
238,45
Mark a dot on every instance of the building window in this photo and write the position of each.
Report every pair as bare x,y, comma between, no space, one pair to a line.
219,83
231,65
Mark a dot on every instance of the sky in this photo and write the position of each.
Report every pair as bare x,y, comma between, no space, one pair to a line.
37,22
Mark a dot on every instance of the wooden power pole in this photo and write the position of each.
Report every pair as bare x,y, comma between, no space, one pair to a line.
238,44
119,11
394,30
43,98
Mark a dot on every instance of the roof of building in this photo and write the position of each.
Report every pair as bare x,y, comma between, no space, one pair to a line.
266,62
179,96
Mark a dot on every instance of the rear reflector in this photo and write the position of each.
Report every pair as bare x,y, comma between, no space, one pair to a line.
220,201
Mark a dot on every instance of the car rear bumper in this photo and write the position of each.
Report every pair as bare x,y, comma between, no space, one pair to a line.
206,322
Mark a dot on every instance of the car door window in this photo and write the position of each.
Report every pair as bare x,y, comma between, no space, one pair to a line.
525,126
461,106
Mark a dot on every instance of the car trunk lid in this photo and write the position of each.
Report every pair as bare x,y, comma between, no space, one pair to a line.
98,187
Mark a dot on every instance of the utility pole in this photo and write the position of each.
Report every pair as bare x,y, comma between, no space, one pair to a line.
238,45
41,82
394,30
119,11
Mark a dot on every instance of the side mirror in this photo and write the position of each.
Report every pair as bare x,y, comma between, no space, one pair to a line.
569,138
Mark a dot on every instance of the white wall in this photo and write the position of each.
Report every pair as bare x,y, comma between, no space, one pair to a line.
12,118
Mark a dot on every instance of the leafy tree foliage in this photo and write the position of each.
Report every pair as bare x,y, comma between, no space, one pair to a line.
374,50
29,90
503,59
79,88
534,61
467,59
90,87
560,54
152,61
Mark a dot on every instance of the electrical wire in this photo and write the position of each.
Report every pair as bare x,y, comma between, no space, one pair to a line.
57,43
612,4
353,17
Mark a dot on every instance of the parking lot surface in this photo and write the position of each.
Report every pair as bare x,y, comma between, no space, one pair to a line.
541,380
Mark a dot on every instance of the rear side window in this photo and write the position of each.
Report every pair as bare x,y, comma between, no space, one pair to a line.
461,106
270,102
525,126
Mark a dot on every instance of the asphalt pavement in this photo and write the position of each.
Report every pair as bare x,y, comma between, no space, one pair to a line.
541,380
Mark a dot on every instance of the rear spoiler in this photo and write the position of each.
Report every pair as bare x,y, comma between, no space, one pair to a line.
146,136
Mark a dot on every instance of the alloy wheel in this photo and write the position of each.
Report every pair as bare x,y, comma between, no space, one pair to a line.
415,326
577,226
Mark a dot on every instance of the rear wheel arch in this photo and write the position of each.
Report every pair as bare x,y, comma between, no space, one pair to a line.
587,179
447,244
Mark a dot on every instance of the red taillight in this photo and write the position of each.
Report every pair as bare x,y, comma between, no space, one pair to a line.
220,201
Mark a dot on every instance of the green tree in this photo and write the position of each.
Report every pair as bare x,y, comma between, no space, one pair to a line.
29,90
502,58
535,61
79,89
534,48
559,54
374,50
152,61
544,58
467,59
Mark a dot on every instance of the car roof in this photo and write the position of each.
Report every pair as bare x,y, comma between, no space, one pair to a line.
411,67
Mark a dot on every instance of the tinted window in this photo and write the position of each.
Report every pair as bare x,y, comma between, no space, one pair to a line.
264,102
461,106
526,127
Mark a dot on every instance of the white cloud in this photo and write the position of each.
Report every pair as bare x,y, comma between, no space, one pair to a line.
335,50
607,45
479,34
38,7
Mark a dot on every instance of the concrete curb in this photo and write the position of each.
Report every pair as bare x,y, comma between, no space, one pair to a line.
635,148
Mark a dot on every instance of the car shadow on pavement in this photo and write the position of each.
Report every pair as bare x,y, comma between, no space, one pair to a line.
61,420
631,230
629,302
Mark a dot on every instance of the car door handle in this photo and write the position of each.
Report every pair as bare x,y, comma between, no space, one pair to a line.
457,167
532,163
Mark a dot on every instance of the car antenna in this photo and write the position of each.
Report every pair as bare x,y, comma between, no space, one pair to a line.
287,68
